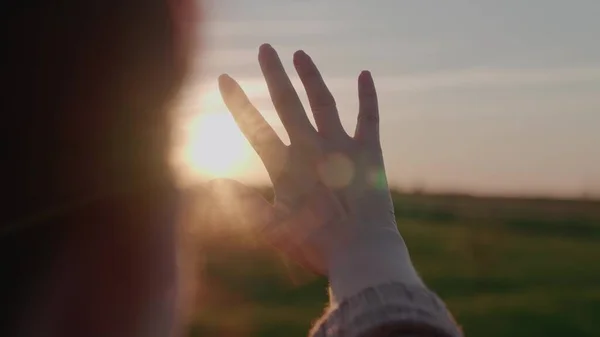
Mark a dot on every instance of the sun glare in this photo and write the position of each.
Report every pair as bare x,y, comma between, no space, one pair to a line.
207,142
214,146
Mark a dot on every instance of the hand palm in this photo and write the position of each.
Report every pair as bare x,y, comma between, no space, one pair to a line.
327,184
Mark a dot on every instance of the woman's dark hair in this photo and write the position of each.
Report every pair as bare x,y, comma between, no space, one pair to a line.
85,126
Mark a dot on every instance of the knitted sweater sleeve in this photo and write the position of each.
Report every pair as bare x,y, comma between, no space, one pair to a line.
388,310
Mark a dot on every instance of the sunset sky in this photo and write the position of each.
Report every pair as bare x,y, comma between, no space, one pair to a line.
489,97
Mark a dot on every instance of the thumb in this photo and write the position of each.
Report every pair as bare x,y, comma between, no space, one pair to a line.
238,206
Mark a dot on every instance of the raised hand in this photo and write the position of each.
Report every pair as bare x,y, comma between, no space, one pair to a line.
331,195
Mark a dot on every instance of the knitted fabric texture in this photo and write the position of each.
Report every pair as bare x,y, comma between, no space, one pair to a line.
388,310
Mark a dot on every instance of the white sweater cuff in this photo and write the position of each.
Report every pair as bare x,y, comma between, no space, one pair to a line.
392,309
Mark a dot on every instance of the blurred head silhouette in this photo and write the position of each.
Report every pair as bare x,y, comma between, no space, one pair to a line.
88,200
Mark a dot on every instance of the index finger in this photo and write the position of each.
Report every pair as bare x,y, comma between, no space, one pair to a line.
255,128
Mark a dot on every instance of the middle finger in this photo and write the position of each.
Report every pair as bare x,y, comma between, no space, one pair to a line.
284,96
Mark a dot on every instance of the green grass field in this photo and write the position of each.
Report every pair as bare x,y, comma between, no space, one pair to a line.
505,267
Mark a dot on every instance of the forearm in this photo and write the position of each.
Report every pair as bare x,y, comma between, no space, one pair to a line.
377,257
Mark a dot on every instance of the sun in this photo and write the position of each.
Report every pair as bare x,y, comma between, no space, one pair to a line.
214,147
207,142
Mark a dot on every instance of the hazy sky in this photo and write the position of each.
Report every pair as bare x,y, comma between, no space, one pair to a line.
478,96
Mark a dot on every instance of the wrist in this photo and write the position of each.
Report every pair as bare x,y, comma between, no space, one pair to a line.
373,258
